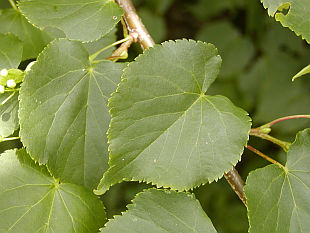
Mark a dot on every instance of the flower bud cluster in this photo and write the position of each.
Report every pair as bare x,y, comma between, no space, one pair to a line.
10,78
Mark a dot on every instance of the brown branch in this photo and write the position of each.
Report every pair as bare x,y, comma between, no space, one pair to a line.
236,183
135,26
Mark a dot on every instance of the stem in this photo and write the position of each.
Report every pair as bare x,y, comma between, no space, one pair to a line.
135,25
9,139
13,4
122,51
261,154
93,56
236,183
257,133
268,125
7,99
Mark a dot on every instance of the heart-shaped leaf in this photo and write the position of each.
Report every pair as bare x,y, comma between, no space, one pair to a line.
32,201
161,211
79,19
278,199
63,111
164,129
297,17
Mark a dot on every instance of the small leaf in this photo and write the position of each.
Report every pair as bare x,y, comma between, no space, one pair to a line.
63,112
296,18
32,201
278,200
160,211
11,50
33,39
164,129
79,19
8,114
304,71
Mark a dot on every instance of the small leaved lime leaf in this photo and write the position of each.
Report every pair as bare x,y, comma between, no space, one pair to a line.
33,39
278,200
32,201
11,49
63,111
164,129
296,18
79,19
162,211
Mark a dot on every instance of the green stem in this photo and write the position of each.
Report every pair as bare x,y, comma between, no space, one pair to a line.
13,4
261,154
257,133
10,139
93,56
7,99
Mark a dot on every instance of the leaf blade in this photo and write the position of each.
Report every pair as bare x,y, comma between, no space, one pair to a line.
94,18
64,113
28,192
155,134
162,211
10,51
297,12
281,194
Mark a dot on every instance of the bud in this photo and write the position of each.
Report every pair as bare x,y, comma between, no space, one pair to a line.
11,83
4,72
265,130
1,89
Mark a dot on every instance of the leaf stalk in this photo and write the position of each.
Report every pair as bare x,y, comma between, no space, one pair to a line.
13,5
261,154
258,132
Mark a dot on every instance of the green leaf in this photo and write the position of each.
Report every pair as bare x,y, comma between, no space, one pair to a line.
304,71
79,19
164,129
296,18
159,211
11,50
8,114
63,111
33,201
33,39
278,200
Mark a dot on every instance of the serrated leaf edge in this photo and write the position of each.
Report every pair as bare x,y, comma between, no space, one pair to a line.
99,191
